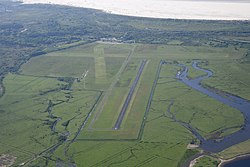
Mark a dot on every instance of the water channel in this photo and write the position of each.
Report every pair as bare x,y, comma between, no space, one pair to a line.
233,101
241,162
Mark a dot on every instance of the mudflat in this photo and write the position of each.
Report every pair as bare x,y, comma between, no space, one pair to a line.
175,9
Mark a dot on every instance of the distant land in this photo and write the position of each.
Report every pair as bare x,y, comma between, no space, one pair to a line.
175,9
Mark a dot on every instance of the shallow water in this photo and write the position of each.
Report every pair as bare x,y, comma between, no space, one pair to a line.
242,162
233,101
175,9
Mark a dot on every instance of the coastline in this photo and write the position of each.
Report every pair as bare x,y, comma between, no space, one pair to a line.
225,161
168,9
222,161
193,162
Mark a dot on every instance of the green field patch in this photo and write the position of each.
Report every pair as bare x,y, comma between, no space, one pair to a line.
232,77
73,111
18,84
25,109
168,131
117,49
90,59
113,64
206,161
101,124
135,116
194,73
109,111
89,50
42,161
175,52
100,75
236,150
109,114
53,94
43,112
193,107
100,70
127,153
98,50
54,66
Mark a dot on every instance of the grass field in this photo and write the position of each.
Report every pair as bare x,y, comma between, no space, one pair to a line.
106,118
207,161
236,150
235,72
100,60
52,112
175,101
53,66
40,112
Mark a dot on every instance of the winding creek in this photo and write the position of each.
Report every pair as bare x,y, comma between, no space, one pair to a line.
233,101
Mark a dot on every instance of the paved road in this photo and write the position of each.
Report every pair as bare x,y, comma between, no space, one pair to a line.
112,85
129,97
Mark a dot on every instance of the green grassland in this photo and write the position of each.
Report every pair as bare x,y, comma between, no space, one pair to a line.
191,106
50,115
53,66
107,117
235,72
28,125
95,50
206,161
53,76
127,153
32,30
101,125
192,72
22,107
173,52
236,150
100,60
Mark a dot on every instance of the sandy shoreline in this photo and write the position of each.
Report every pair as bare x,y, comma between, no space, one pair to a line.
222,161
175,9
193,162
